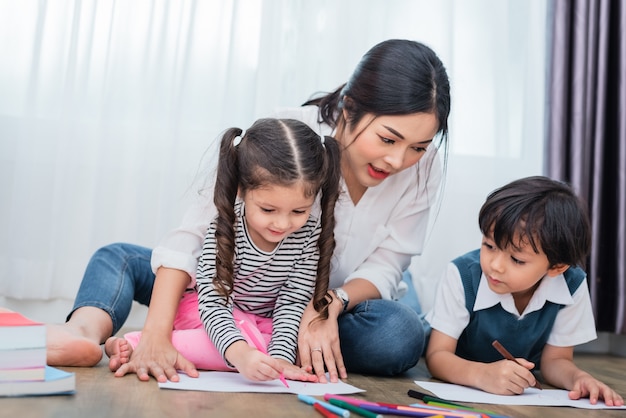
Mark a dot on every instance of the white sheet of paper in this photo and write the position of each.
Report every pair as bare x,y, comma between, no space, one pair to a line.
235,382
531,396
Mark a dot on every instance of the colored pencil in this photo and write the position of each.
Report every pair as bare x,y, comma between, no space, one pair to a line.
429,398
325,412
353,408
332,408
348,399
405,410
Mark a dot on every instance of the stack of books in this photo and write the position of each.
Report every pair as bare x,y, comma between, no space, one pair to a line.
23,369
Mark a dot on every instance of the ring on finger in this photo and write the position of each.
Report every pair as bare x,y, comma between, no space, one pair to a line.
316,349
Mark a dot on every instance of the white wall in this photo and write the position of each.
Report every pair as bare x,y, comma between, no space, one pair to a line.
131,113
454,229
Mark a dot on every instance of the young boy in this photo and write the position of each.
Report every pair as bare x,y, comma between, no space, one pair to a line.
523,289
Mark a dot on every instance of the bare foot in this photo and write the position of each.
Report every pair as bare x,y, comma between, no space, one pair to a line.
67,347
118,350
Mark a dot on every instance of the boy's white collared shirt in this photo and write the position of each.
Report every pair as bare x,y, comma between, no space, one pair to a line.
553,289
574,324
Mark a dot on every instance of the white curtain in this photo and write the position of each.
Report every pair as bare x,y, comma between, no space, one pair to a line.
108,108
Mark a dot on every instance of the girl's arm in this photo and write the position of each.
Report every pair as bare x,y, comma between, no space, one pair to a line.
502,377
558,369
155,355
295,293
294,298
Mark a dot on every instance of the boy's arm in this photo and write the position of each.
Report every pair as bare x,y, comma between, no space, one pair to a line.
558,369
501,377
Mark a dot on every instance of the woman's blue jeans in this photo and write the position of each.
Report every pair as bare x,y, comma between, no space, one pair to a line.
378,337
116,275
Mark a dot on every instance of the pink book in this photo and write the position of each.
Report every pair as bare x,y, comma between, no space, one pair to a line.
19,332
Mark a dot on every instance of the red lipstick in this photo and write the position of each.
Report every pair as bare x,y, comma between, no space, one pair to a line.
377,174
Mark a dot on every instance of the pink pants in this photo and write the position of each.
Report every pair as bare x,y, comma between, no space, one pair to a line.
192,341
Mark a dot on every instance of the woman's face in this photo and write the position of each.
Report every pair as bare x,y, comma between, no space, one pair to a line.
381,146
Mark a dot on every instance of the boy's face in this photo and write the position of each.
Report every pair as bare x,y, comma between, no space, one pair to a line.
514,270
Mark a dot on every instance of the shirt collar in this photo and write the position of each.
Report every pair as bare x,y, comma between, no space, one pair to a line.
553,289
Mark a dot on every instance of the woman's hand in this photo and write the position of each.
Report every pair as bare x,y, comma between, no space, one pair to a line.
318,343
293,372
156,357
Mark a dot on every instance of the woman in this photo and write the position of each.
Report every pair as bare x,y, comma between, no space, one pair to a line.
386,118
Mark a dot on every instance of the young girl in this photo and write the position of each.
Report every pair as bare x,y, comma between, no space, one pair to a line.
523,289
389,119
265,256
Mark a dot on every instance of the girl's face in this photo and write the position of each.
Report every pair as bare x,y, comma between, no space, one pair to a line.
273,212
379,147
515,270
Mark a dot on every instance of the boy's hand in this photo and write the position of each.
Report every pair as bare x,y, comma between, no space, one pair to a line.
502,377
506,377
558,369
587,386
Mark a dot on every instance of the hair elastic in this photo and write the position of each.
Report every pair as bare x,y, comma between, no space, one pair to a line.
238,138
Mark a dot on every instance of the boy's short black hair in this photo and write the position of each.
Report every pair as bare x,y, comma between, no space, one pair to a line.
543,212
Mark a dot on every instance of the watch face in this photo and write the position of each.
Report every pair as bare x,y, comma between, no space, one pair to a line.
343,296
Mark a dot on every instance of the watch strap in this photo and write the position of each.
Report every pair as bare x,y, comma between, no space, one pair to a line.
343,297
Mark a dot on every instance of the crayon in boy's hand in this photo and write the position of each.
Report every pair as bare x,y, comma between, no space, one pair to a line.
505,353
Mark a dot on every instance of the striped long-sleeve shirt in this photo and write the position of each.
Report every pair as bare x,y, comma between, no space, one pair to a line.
277,285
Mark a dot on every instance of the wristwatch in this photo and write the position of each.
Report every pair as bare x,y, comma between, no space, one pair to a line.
342,295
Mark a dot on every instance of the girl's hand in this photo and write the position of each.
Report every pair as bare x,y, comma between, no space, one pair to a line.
318,344
506,377
586,386
253,364
158,358
293,372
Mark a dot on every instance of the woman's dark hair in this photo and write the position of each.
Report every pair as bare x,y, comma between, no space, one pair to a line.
276,152
395,77
543,212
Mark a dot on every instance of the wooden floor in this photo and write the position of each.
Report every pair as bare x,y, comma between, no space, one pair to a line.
99,394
